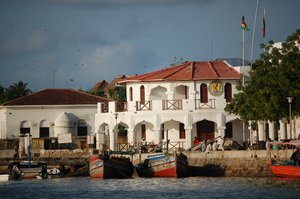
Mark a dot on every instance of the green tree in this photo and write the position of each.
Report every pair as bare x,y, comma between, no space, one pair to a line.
274,77
17,90
2,95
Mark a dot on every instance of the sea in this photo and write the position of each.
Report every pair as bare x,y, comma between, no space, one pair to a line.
191,187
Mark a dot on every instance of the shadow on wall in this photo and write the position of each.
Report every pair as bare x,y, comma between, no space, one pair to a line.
209,170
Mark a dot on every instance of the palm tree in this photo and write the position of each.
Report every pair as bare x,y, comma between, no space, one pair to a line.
17,90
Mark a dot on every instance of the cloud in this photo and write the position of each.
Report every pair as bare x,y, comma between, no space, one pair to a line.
16,45
123,58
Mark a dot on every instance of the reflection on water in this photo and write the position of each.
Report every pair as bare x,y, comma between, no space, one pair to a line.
194,187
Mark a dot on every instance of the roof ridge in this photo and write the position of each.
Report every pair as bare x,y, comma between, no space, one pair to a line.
213,69
179,68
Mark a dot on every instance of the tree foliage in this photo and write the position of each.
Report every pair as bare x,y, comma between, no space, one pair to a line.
275,76
14,91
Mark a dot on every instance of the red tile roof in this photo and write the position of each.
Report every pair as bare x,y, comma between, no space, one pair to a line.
188,71
57,97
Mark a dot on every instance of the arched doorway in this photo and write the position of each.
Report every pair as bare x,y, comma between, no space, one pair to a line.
205,130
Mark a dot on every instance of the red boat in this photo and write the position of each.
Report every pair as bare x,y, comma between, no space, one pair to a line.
106,167
161,165
287,168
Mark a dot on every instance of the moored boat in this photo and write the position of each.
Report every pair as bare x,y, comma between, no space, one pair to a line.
163,165
286,168
106,167
27,170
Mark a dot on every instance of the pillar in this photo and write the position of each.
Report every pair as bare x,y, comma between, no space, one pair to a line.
272,135
131,137
188,138
282,130
157,133
112,137
261,133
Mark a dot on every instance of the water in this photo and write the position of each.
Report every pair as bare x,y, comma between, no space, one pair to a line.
193,187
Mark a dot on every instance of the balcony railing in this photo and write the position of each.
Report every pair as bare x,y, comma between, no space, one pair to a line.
146,106
172,104
210,104
121,106
104,107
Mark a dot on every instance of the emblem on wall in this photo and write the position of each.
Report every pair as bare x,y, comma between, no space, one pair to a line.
215,88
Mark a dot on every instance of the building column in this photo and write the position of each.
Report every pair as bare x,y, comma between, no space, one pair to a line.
131,137
261,133
282,130
188,138
112,137
272,134
100,139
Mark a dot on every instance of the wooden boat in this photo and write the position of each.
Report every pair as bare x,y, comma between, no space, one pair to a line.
163,165
106,167
286,168
27,170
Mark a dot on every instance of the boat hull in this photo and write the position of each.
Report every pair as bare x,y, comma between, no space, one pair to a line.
26,170
163,166
113,167
286,171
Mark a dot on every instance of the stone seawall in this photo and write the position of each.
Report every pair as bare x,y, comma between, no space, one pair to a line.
252,163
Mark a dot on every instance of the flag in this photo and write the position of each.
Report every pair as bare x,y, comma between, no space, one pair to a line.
264,26
244,25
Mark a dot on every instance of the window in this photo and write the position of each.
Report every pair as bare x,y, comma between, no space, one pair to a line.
44,132
82,130
130,94
203,93
162,131
181,131
143,131
24,130
228,92
142,95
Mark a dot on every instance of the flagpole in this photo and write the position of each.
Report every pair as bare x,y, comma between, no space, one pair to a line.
264,33
243,74
253,34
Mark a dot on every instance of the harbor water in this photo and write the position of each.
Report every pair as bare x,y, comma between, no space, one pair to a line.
192,187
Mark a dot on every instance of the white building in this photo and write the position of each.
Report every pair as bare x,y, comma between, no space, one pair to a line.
176,103
48,114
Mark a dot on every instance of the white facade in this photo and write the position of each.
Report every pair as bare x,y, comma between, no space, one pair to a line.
13,118
167,104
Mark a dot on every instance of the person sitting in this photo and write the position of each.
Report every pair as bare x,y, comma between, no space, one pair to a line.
144,147
208,146
196,141
215,145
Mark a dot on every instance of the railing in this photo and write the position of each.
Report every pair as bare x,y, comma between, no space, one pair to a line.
210,104
121,106
172,104
162,146
146,106
104,107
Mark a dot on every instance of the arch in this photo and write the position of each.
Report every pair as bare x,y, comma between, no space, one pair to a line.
142,94
228,92
25,127
203,93
158,93
181,92
130,94
44,129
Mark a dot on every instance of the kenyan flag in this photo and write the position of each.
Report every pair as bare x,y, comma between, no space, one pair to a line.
244,25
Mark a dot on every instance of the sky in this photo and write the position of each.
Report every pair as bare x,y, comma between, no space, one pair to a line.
77,43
